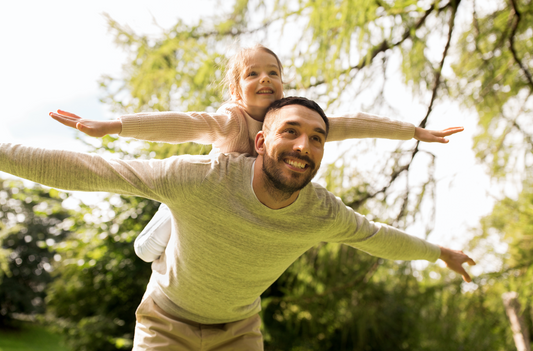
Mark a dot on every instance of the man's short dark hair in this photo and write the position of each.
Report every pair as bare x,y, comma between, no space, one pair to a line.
298,100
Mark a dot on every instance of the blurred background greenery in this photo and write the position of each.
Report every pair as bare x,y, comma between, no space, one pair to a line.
73,269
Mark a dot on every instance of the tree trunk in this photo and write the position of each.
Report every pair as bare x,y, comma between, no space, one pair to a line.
518,326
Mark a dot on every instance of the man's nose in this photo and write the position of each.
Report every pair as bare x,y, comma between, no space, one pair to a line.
302,144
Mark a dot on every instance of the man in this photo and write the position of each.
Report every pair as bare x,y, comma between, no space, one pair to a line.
239,222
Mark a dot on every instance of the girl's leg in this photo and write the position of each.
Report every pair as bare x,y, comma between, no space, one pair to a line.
153,240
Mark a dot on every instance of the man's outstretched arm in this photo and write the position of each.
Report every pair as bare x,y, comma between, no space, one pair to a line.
454,260
387,242
88,172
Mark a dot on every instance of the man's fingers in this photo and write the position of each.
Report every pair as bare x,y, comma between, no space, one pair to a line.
466,277
454,260
459,269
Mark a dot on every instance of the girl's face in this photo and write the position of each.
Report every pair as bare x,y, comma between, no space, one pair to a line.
259,84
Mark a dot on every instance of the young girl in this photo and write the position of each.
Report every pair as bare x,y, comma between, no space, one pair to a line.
254,80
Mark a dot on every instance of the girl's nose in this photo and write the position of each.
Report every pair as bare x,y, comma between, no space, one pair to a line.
265,79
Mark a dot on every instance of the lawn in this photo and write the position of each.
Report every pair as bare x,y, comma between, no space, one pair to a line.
30,337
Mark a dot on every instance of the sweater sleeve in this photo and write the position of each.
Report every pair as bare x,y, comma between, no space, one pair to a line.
161,180
363,125
377,239
181,127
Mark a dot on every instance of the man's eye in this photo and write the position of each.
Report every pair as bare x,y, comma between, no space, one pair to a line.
290,131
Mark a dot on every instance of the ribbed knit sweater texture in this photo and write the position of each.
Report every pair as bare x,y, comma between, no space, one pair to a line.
226,247
231,129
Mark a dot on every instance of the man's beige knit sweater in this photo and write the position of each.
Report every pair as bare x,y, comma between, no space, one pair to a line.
226,247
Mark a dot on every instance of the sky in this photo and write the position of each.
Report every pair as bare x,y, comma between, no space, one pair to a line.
55,51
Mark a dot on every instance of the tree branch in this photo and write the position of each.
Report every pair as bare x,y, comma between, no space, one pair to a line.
439,71
385,46
398,171
512,43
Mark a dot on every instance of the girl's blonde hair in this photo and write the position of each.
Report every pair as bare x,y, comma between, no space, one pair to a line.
237,64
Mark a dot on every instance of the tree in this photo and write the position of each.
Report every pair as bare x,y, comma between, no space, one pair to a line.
32,220
494,76
341,53
512,223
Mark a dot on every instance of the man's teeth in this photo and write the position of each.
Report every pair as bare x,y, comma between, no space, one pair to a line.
296,164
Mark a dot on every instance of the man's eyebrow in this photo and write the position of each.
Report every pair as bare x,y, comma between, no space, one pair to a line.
297,124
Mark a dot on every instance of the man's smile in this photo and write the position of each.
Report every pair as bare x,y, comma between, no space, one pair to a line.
296,162
300,165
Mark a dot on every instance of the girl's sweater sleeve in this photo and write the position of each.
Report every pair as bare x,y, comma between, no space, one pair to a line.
363,125
181,127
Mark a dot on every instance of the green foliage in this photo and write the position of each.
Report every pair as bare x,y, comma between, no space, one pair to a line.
333,297
177,72
512,221
102,281
507,236
337,298
491,79
32,220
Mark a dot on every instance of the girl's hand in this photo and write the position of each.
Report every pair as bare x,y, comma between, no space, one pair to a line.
87,126
435,136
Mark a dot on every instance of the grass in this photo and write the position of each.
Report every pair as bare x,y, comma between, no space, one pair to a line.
30,337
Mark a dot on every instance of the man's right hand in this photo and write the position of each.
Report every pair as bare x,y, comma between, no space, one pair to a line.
90,127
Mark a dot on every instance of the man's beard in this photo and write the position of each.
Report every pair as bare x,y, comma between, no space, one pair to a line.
284,185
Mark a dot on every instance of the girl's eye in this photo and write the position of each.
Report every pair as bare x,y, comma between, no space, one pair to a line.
252,74
274,73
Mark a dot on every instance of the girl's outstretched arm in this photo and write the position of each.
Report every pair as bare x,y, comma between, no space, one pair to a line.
88,126
227,129
364,125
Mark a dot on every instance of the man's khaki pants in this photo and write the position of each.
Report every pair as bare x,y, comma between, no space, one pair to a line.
160,331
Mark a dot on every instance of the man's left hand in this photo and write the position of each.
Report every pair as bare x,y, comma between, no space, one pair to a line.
454,260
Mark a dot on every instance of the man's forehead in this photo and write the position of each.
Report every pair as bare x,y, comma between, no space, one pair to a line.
301,113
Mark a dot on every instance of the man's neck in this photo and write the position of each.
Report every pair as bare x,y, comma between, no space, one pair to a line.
266,193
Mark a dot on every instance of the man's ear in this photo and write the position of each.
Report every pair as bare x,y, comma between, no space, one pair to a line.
260,143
